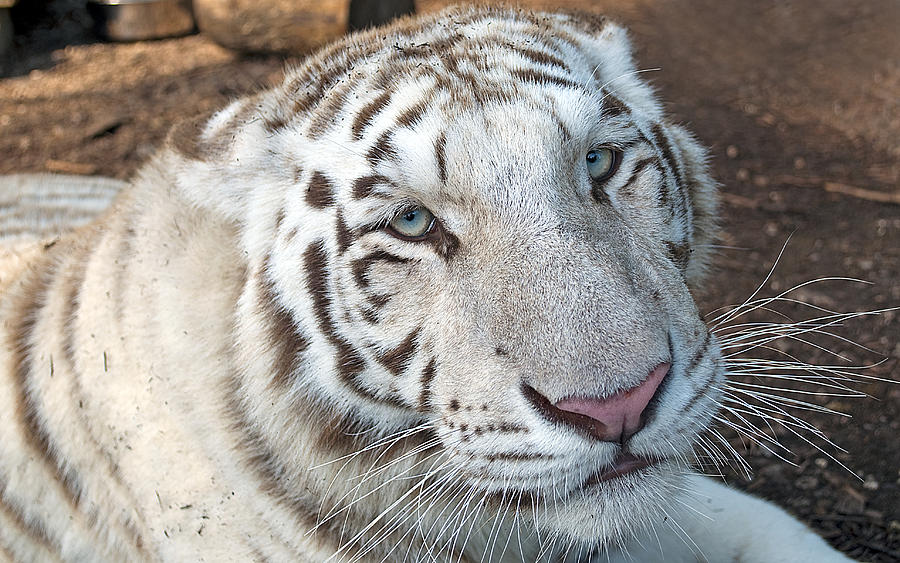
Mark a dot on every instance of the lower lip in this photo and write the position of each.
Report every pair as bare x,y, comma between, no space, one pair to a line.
624,464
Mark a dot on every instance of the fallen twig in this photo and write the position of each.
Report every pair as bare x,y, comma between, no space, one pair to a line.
863,193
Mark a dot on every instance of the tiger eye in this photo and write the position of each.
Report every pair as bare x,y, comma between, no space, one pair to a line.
602,163
413,224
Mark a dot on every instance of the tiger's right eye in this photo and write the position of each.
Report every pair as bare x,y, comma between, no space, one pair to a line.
413,224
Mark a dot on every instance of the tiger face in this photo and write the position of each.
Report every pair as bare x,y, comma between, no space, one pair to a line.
488,230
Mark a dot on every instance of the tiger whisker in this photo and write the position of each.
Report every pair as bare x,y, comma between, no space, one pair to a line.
400,501
345,508
751,433
765,414
682,533
848,373
763,304
390,441
738,384
742,308
432,494
779,374
776,333
399,435
517,496
793,403
744,466
447,489
800,327
453,493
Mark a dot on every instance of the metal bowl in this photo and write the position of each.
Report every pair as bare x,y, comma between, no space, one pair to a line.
134,20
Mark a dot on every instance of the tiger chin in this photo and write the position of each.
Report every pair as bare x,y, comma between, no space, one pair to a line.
427,300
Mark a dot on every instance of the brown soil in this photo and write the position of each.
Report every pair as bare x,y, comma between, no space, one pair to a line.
799,102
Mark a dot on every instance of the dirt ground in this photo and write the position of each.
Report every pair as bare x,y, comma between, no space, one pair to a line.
799,102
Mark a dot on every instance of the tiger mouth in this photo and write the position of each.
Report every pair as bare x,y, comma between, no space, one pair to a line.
623,464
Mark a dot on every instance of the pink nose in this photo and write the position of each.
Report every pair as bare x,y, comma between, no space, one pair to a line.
611,419
617,418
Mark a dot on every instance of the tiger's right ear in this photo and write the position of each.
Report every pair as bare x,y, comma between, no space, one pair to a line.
216,156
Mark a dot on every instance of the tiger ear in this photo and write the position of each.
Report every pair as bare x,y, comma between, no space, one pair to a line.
606,47
198,150
703,192
215,154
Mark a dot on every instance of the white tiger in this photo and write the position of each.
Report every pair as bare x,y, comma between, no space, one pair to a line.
428,300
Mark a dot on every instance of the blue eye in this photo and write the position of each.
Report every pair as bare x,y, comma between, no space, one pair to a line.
414,223
602,163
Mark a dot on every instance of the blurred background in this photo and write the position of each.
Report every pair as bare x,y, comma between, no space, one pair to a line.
799,102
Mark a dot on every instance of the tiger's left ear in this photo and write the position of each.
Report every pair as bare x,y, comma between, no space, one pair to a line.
606,47
703,192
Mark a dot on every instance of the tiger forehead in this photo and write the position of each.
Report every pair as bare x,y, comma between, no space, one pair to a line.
480,56
452,46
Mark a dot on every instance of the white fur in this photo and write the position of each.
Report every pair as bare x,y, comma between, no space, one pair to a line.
160,318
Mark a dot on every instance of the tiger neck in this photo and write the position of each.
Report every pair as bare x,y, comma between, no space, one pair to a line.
366,492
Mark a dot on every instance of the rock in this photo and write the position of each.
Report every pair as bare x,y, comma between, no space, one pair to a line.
289,26
283,26
136,21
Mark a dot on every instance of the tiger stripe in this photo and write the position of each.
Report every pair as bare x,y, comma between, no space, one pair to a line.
124,250
414,114
73,287
29,410
365,186
343,234
662,142
680,253
284,336
397,360
32,527
440,156
365,116
700,355
613,106
319,191
543,58
382,149
531,75
360,267
425,384
264,463
638,170
322,119
349,363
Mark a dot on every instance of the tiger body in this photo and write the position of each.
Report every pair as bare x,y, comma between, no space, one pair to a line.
240,361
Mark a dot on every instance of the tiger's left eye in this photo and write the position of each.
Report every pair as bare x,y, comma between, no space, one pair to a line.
603,163
413,224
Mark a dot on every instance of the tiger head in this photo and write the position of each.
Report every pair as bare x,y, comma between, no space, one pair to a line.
480,224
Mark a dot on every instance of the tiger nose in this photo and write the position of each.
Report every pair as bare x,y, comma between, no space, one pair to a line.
611,419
